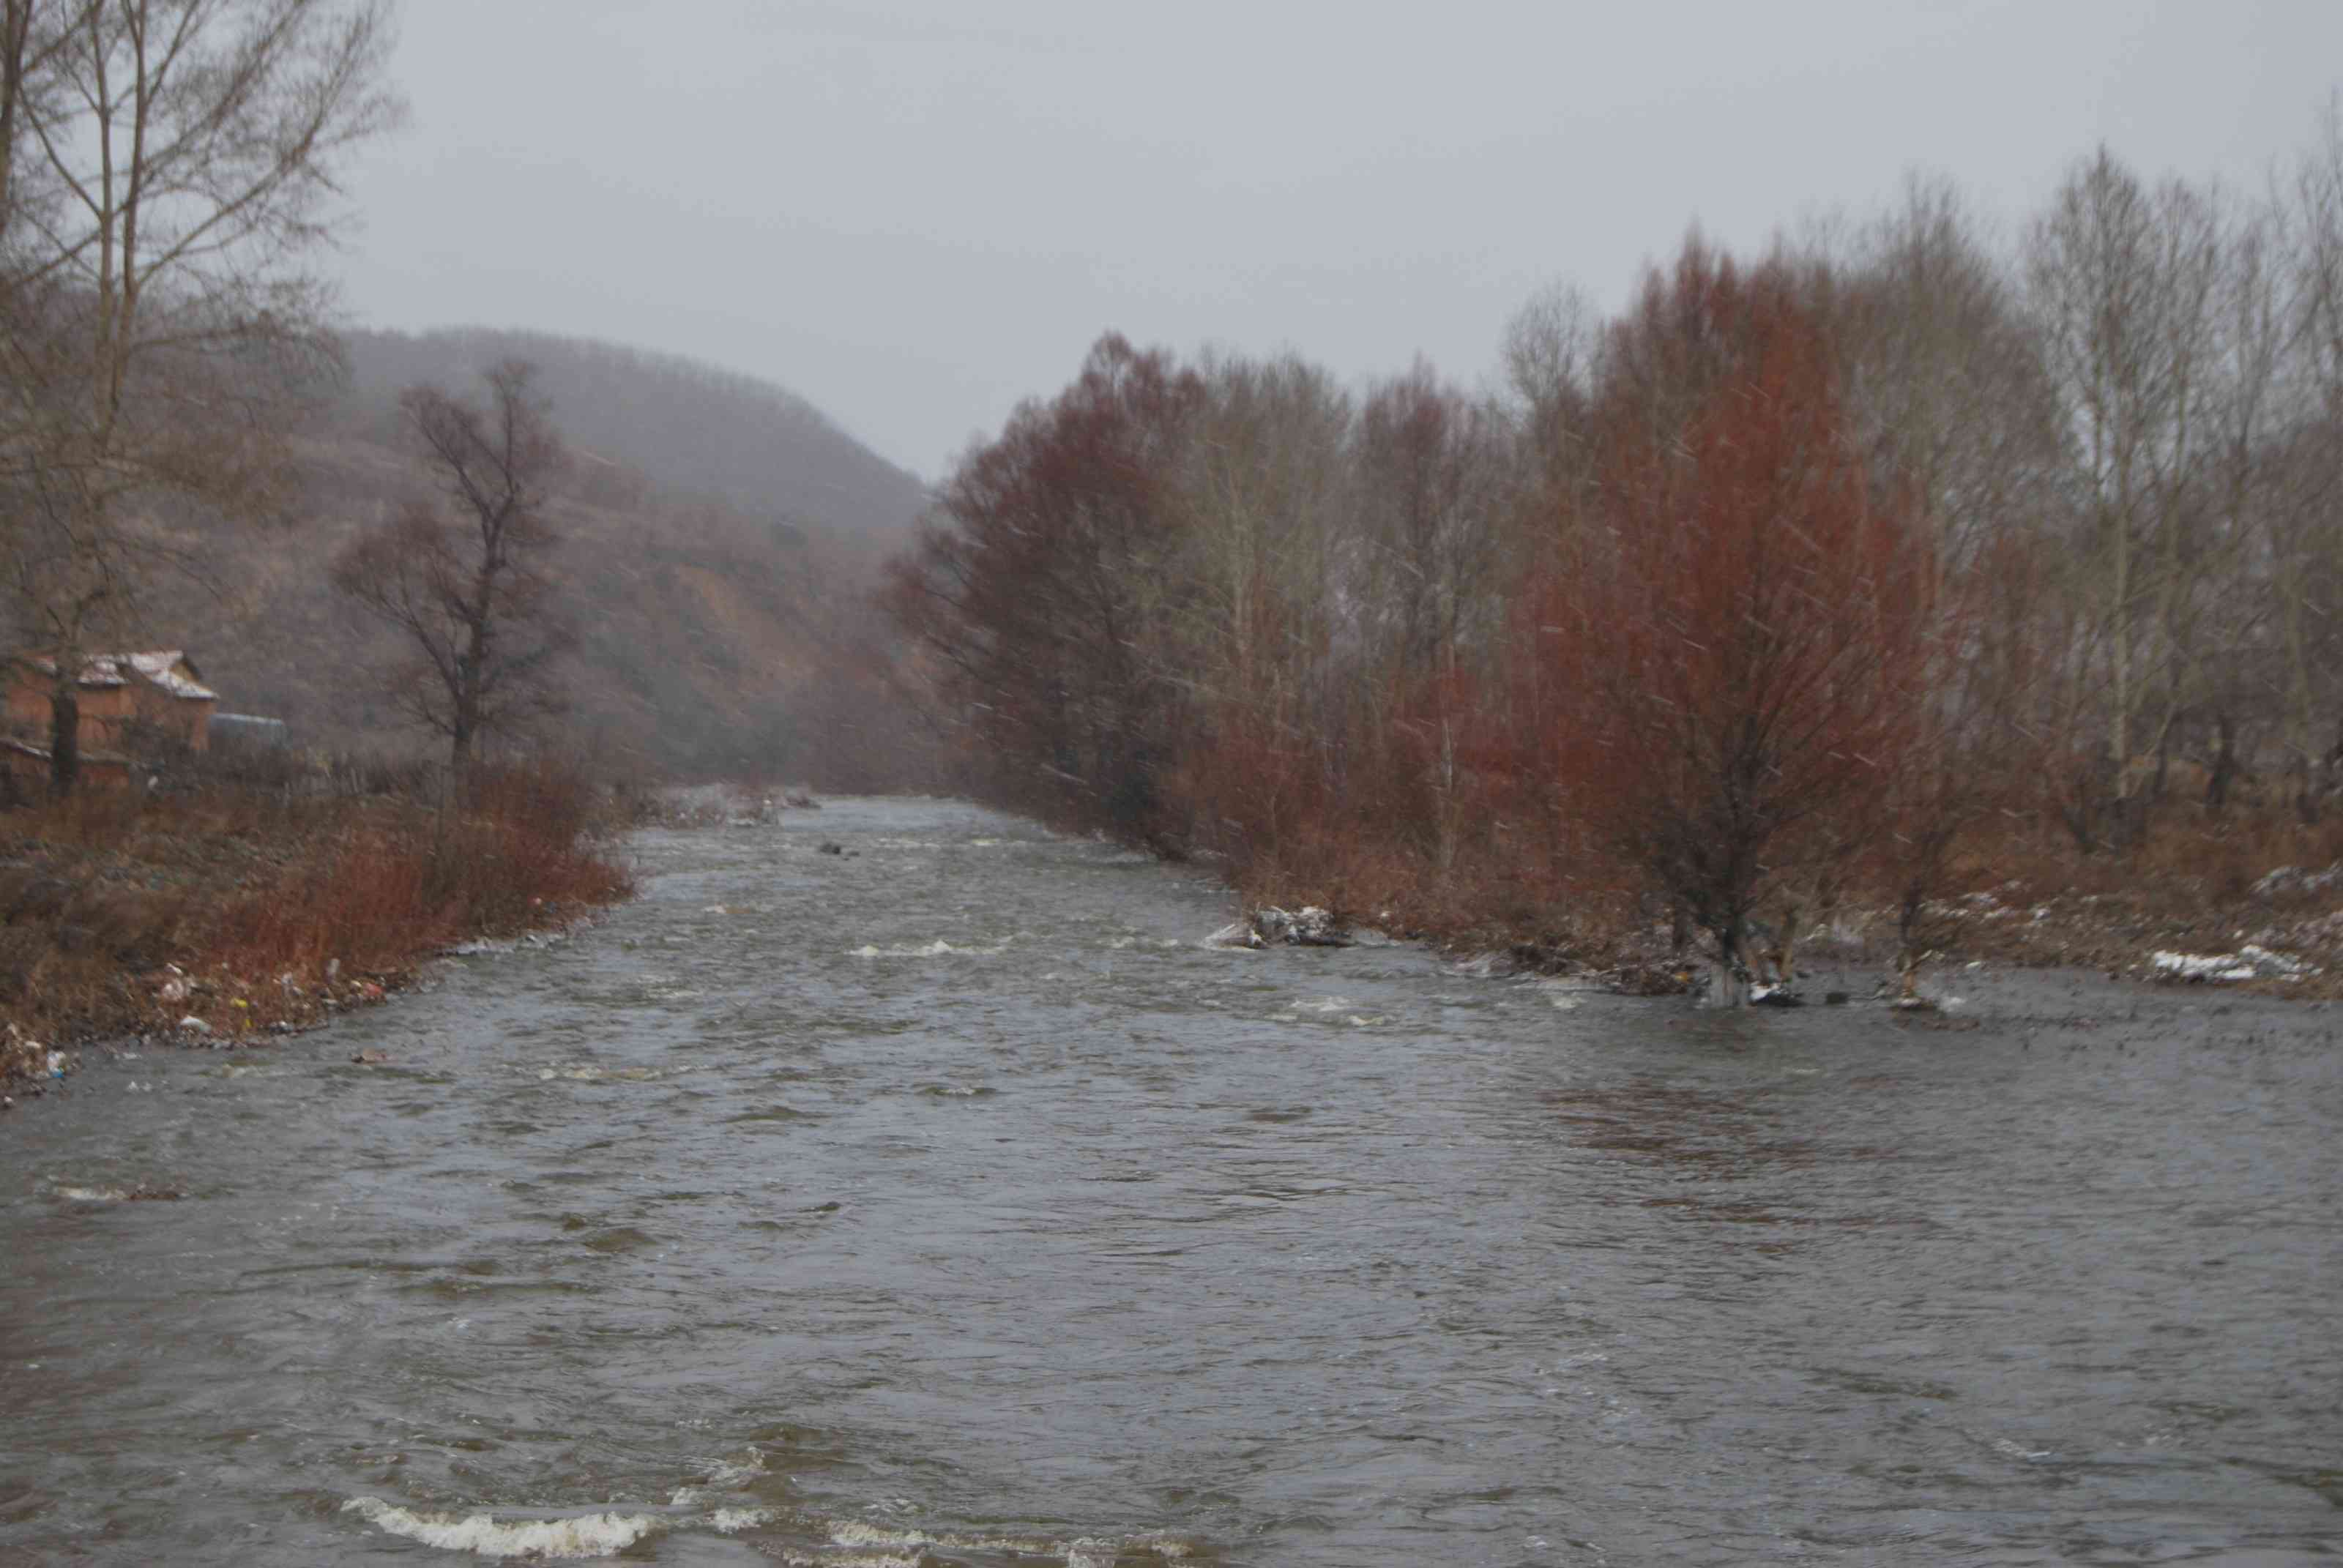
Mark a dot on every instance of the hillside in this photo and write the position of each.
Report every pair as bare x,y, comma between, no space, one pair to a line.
717,536
695,429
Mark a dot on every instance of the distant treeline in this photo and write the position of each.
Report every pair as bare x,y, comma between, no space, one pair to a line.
1814,569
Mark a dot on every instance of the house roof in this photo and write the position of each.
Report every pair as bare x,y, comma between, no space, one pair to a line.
162,669
159,668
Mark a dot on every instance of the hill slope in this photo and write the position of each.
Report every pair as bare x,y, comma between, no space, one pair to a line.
716,539
695,429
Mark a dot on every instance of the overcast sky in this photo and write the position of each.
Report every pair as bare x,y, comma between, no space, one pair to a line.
917,212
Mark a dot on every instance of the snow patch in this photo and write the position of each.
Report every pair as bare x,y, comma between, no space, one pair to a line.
2248,962
2298,879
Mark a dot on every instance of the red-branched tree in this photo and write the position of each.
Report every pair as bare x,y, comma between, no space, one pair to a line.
1044,594
1737,653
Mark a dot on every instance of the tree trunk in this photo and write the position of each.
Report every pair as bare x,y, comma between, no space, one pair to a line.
2225,762
64,740
1729,985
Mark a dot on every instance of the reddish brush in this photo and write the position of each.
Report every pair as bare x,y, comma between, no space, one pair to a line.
127,913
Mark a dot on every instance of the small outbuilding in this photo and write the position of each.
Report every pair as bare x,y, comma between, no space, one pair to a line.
127,698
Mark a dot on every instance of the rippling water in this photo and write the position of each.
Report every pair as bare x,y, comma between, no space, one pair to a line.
945,1203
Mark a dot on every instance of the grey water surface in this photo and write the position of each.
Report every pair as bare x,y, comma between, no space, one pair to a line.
946,1202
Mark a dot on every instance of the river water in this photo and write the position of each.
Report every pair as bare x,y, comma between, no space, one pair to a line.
944,1202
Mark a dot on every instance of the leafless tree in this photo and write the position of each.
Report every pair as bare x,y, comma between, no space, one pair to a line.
2123,284
462,580
169,165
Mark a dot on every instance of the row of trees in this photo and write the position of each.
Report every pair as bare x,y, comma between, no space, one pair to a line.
1784,577
166,172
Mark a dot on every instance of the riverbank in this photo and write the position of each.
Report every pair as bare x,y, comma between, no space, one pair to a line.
237,907
2250,900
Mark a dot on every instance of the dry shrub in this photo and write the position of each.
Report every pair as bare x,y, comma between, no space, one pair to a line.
518,848
252,895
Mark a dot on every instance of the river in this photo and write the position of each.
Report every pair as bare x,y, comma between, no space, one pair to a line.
945,1201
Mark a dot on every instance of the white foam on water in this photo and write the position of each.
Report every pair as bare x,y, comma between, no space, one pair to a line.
92,1194
934,949
732,1521
1565,995
891,1543
587,1073
582,1535
855,1533
729,1473
1325,1004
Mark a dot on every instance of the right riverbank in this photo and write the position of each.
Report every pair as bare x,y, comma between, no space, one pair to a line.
2248,899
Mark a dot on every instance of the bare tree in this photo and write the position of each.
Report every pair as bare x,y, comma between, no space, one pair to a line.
169,165
462,581
2123,281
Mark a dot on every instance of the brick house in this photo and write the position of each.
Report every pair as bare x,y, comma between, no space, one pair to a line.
129,702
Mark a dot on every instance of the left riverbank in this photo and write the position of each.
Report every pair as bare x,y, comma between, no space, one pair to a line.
236,904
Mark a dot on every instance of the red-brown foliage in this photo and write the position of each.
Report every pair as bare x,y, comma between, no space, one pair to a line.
1735,662
126,912
511,854
1036,600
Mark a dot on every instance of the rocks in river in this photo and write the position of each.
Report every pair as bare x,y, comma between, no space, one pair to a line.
1269,926
829,847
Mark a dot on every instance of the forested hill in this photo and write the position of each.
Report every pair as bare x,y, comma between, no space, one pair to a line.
717,540
696,428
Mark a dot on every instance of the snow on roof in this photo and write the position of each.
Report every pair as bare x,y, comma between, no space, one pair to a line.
98,671
160,668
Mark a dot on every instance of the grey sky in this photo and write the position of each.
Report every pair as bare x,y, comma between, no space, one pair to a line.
917,212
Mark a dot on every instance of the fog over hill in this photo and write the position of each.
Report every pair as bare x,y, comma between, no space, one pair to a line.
697,429
718,533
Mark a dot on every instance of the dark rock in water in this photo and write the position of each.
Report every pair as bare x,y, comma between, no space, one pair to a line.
831,849
1834,998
